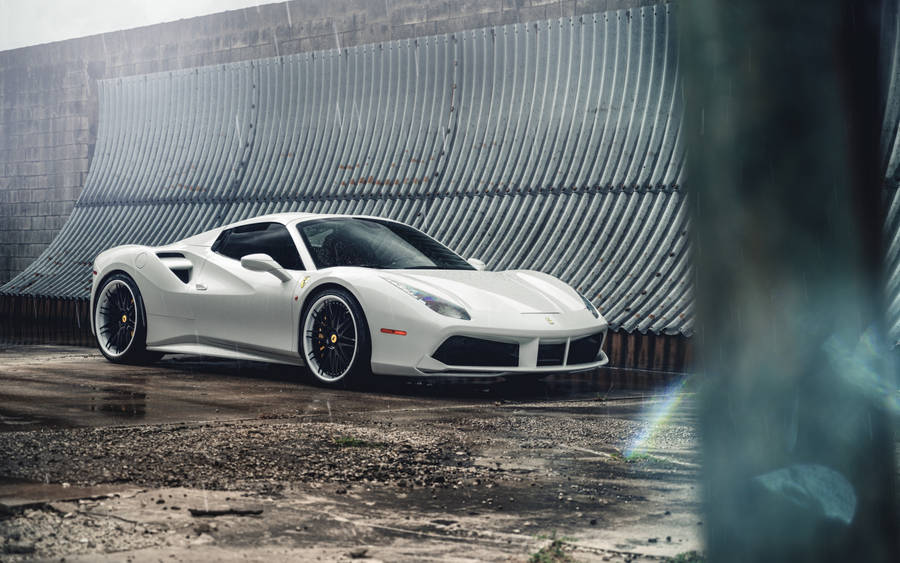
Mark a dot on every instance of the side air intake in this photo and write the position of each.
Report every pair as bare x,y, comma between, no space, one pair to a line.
177,264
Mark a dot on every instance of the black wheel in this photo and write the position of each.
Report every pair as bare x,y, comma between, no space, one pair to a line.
334,338
120,322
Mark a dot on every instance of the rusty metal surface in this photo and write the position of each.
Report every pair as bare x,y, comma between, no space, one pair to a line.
552,145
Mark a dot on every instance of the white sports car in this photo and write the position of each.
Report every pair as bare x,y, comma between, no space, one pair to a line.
344,295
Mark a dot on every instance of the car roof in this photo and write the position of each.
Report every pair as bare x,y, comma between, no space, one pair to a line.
288,218
206,238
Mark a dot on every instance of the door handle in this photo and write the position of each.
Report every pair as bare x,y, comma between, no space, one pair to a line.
200,287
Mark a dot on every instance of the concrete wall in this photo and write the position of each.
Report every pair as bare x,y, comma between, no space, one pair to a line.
48,93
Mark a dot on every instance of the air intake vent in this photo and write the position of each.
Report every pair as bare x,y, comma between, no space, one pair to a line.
551,354
466,351
177,264
585,350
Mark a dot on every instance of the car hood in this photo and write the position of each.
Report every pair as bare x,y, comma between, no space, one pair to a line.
511,291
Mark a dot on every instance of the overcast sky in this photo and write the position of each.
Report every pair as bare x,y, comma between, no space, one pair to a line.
31,22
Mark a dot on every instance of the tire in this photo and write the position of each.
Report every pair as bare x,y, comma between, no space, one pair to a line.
334,339
120,322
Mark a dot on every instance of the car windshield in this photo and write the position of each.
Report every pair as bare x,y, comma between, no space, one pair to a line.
370,243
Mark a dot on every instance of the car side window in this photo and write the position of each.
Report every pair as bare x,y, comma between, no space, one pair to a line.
260,238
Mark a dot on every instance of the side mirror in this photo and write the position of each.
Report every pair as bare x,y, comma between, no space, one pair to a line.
477,264
264,263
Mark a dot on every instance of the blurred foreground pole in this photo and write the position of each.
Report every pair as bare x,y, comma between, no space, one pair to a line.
784,105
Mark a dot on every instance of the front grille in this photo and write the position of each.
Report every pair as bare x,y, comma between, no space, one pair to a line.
551,354
467,351
585,350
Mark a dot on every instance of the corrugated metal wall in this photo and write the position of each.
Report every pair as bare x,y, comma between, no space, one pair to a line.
890,142
893,265
552,145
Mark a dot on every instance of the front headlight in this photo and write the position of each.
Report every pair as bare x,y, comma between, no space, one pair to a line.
590,306
436,304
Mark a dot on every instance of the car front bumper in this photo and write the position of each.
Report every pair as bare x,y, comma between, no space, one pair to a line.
414,354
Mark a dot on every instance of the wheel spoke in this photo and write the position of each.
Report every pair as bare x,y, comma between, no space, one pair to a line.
330,356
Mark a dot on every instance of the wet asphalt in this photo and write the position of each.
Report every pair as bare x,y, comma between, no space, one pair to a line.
401,470
48,386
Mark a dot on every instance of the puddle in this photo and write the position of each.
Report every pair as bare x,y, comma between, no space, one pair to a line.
120,402
19,492
17,421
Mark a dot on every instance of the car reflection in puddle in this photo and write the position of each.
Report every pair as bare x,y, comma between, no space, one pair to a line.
119,402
